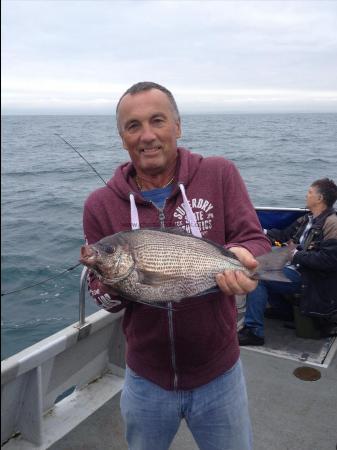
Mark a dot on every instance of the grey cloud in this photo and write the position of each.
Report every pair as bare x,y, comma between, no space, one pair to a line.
185,44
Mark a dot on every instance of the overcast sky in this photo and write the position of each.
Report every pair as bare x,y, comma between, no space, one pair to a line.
70,57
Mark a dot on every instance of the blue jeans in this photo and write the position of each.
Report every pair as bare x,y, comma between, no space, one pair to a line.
216,413
269,291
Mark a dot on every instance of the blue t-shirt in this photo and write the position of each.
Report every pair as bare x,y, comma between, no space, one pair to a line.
157,196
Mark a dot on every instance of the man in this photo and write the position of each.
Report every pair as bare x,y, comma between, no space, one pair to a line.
313,271
182,363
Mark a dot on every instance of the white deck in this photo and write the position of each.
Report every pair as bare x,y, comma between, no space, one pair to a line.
286,413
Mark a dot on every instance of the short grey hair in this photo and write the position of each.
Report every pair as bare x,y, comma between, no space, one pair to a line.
143,86
328,189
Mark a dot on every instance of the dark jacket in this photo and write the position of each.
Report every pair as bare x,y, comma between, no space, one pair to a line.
316,260
197,342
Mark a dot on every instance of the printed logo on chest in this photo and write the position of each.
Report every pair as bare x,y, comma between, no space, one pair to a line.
203,211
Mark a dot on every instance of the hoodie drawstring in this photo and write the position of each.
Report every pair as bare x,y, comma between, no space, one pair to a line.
134,213
189,213
187,207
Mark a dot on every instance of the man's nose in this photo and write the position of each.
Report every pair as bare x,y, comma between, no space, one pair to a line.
147,134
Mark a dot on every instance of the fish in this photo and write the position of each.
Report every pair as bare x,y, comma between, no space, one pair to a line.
168,265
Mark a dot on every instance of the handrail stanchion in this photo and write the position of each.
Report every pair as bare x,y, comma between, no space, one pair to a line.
83,286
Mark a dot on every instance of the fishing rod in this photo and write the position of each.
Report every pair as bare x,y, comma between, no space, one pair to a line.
75,150
41,282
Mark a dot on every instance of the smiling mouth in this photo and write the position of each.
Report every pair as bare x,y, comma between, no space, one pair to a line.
150,150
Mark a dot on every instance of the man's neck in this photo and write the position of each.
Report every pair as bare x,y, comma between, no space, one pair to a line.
147,181
159,183
316,211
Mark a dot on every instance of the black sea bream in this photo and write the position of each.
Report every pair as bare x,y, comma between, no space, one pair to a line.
168,265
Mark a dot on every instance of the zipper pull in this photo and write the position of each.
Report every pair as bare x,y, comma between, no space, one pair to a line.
161,218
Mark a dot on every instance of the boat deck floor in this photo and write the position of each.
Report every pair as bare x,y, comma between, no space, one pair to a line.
284,409
281,340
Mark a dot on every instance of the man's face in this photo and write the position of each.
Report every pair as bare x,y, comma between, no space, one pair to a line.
313,197
149,130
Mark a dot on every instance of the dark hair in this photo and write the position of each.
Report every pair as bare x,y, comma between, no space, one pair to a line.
146,86
328,189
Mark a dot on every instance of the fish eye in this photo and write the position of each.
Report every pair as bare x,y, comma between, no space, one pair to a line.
109,249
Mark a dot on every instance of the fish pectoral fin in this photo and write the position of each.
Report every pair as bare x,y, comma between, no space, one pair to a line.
150,278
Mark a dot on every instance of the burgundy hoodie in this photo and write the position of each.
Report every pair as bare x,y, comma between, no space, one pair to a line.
195,343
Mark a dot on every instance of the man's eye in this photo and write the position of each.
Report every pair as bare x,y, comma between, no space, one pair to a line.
132,126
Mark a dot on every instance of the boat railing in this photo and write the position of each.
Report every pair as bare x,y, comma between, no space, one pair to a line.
281,208
83,326
52,386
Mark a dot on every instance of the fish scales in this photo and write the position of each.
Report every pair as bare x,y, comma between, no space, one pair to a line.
178,260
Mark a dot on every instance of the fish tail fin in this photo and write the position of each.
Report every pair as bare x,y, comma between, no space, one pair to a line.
271,264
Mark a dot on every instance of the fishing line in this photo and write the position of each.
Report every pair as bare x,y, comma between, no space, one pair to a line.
68,270
75,150
40,282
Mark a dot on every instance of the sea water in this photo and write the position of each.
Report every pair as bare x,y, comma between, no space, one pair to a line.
45,183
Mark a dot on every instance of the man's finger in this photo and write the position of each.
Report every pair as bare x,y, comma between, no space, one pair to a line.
235,283
245,257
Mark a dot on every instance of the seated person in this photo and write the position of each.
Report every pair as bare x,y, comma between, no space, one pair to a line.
313,269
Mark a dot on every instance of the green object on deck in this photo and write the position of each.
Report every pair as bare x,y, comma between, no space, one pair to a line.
306,327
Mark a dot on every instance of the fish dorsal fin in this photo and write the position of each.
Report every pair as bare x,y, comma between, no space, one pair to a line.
181,232
178,231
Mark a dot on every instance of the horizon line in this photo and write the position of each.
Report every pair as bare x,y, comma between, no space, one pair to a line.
216,113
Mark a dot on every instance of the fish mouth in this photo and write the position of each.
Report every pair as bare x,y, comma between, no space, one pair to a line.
88,255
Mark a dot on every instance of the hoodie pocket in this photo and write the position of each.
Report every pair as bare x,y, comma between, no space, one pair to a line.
202,331
222,316
146,331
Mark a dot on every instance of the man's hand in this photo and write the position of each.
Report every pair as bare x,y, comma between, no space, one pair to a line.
233,282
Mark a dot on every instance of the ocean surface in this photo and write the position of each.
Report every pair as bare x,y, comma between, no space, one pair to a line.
45,183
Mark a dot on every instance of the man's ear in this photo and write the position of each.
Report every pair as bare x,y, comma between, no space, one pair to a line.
178,129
